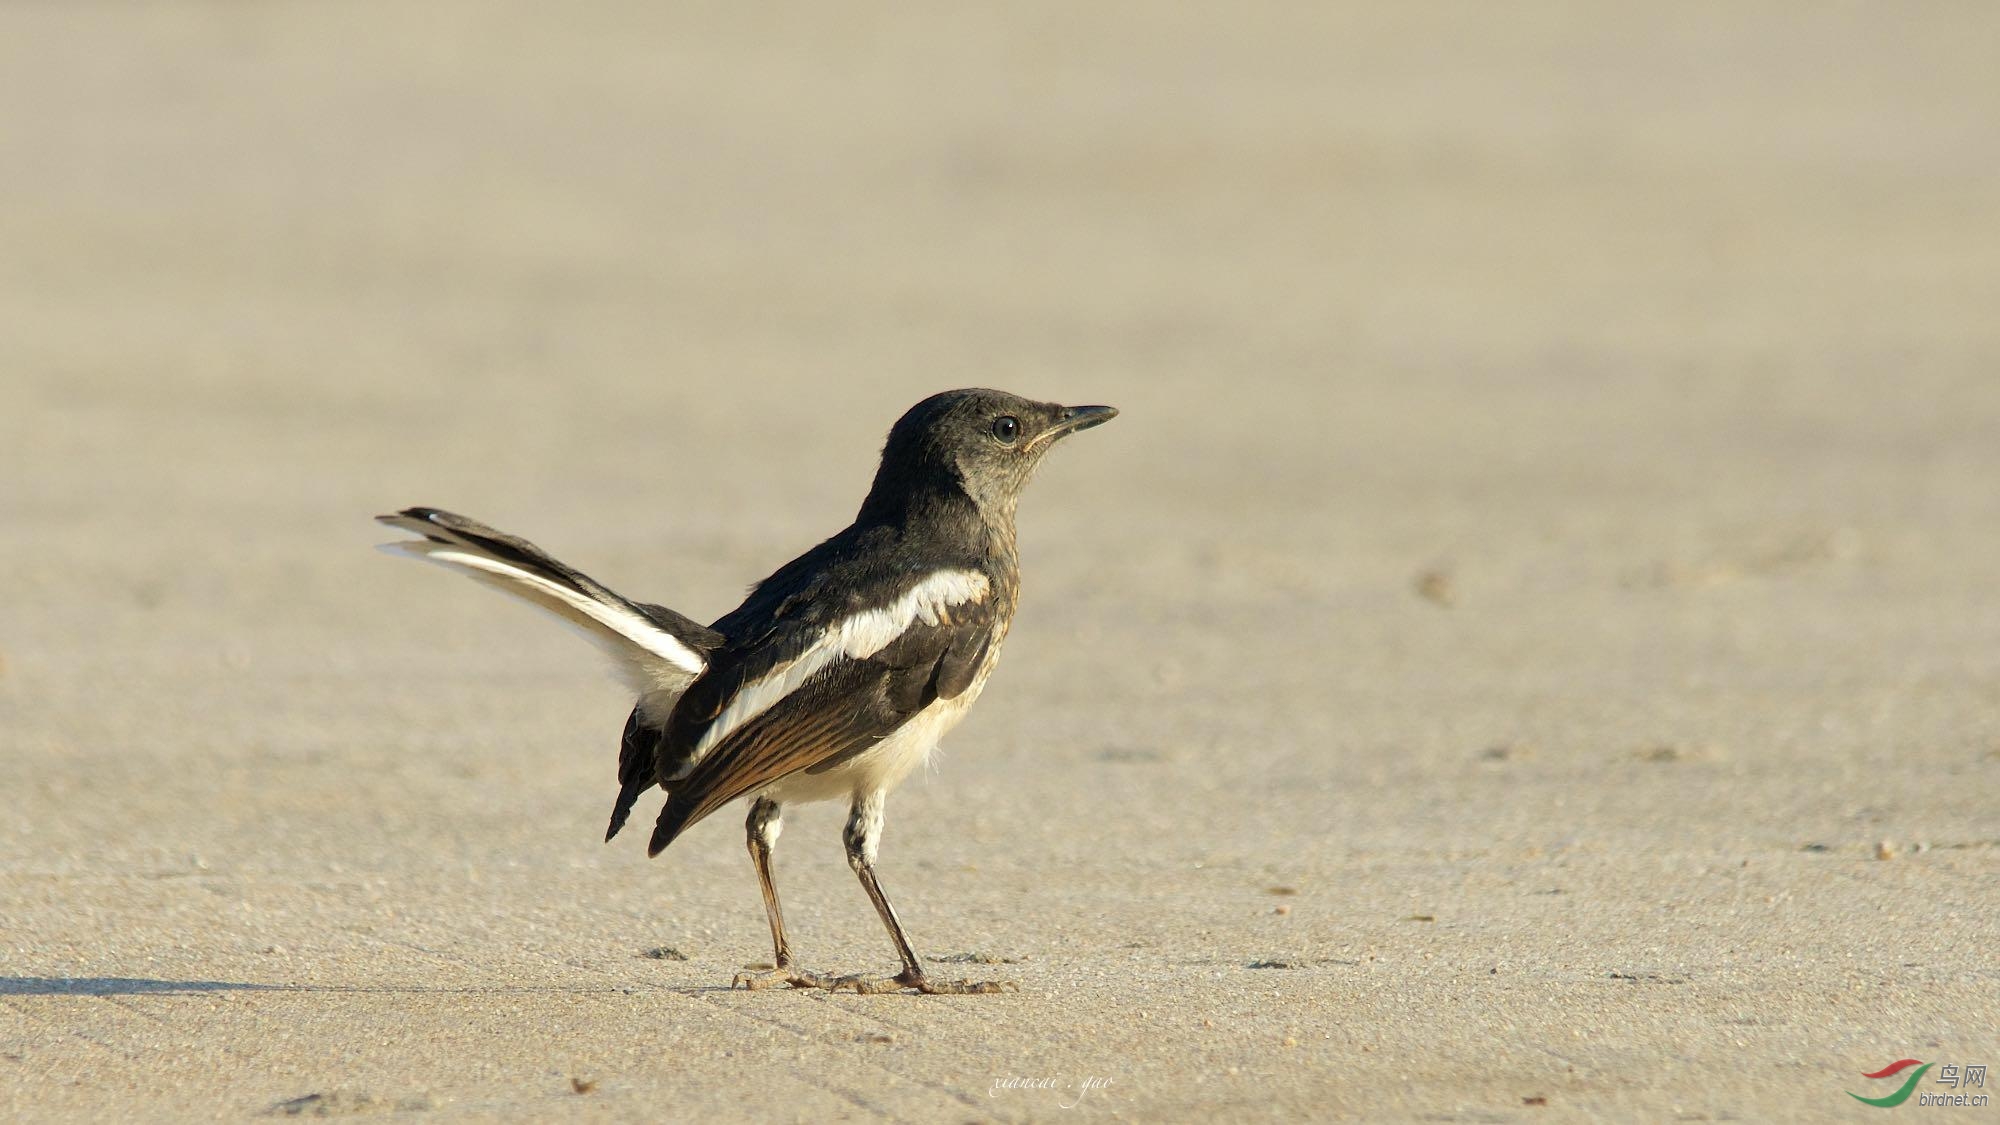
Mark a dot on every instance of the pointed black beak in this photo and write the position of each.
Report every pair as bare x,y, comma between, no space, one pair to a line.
1074,418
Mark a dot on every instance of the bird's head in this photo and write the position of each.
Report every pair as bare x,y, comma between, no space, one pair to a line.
981,442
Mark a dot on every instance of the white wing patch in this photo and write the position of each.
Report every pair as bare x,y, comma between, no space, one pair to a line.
857,637
648,658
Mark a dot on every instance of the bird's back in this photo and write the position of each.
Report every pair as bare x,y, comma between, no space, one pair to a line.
919,595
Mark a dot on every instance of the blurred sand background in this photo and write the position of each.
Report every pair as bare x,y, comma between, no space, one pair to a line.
1549,549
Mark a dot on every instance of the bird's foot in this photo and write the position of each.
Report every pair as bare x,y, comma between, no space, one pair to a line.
784,975
910,978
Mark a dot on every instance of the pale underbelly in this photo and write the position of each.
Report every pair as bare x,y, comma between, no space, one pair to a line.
881,766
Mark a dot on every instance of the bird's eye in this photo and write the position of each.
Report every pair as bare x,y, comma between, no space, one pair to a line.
1007,428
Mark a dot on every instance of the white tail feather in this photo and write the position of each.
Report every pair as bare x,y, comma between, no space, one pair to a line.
651,661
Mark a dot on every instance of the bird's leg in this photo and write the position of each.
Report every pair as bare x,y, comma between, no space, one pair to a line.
762,828
864,832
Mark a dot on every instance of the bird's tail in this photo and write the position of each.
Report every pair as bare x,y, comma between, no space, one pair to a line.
656,651
620,812
637,771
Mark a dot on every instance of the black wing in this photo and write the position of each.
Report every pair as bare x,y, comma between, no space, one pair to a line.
839,713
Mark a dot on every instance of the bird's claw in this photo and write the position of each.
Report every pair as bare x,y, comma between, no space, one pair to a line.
751,980
869,985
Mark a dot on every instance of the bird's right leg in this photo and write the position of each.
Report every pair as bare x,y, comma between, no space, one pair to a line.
762,828
864,833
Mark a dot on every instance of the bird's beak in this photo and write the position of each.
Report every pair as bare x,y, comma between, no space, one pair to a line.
1074,418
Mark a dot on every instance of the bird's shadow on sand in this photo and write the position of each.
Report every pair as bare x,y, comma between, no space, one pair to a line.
142,986
119,986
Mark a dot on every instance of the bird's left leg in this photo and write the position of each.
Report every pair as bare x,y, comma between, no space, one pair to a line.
864,833
762,828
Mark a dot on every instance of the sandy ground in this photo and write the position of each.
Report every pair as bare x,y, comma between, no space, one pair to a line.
1547,560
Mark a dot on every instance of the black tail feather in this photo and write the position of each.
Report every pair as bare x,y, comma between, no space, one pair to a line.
445,527
448,527
622,811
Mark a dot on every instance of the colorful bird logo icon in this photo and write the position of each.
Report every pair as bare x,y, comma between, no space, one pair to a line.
1900,1096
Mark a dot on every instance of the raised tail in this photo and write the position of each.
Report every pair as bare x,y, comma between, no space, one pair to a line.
656,651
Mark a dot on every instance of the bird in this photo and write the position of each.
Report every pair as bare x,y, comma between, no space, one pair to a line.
838,674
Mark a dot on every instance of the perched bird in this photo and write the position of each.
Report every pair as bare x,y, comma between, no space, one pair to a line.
839,673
